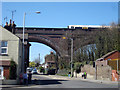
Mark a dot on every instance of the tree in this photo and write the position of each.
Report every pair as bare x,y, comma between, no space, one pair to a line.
104,41
13,68
32,64
42,69
92,44
107,40
77,66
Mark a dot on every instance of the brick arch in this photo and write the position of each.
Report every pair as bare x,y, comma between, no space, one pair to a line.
46,41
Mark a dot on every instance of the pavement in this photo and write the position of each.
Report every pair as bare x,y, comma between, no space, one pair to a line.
62,78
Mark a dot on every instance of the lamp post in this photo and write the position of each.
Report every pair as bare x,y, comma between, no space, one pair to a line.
71,56
37,12
39,58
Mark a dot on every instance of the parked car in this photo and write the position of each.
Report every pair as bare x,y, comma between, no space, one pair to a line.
29,69
51,71
34,71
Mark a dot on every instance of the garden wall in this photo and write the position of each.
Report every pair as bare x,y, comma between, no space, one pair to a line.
103,72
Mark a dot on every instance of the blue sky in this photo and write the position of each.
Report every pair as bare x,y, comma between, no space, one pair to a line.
59,14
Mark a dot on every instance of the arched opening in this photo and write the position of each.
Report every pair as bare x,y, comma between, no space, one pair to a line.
42,56
42,46
44,51
45,41
39,50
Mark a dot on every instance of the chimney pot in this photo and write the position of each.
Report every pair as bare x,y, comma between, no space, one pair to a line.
10,21
13,23
6,24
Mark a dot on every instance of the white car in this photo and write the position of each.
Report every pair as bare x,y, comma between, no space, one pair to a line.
29,69
34,71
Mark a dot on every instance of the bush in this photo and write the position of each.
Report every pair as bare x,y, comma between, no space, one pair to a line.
91,62
41,69
13,68
77,66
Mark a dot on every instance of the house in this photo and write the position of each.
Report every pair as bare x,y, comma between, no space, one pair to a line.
50,64
10,49
50,61
111,59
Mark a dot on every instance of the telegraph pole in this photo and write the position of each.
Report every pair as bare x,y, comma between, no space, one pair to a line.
13,13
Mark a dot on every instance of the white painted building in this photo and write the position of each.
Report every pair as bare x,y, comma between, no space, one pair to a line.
10,49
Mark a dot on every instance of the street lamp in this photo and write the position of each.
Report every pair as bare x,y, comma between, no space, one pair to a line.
37,12
71,55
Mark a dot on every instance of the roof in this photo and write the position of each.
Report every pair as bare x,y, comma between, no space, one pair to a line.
106,55
5,63
7,35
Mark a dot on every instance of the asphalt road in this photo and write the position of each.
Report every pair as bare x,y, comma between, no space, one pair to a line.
41,81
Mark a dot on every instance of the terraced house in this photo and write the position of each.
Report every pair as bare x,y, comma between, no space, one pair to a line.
10,49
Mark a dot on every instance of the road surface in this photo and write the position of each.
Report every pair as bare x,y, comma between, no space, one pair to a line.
41,81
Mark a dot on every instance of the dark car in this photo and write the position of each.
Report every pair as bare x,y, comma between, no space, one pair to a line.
52,71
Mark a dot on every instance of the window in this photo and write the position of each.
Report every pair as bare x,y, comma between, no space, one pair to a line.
72,27
4,47
84,27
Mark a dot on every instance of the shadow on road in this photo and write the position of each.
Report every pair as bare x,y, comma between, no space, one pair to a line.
46,82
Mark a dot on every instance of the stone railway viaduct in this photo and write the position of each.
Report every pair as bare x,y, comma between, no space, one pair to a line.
53,37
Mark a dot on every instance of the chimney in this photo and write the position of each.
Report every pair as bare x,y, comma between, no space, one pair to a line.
6,24
10,26
10,23
13,27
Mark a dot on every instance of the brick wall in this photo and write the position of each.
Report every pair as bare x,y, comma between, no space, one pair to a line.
115,76
115,55
113,64
6,72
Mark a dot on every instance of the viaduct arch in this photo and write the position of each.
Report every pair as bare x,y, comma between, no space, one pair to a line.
53,37
45,41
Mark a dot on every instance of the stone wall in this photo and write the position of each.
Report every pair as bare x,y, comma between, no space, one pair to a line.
103,72
63,72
